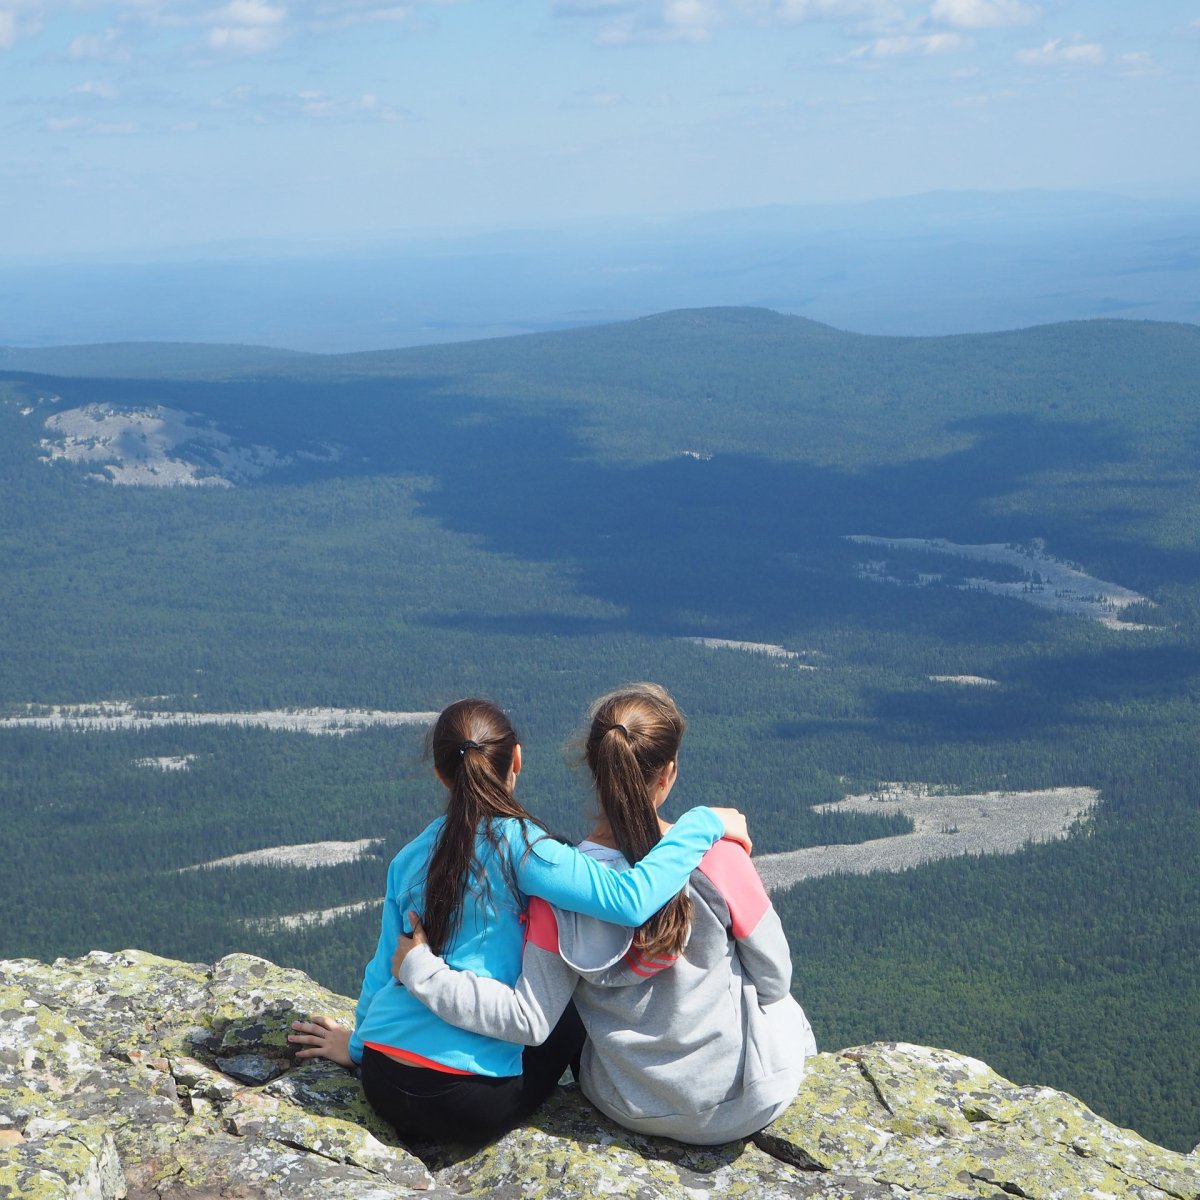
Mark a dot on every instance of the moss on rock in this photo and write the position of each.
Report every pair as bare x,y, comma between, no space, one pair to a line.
111,1086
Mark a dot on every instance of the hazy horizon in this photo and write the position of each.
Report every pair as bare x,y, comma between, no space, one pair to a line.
938,263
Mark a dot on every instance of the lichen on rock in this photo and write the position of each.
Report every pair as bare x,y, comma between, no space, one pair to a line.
125,1077
63,1159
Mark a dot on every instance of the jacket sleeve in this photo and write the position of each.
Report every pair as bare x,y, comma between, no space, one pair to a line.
571,880
524,1013
398,899
378,973
767,958
736,893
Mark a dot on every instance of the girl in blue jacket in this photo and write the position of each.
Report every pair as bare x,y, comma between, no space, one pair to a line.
470,874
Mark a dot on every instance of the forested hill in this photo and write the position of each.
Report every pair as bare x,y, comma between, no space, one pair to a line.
952,436
966,565
153,360
739,380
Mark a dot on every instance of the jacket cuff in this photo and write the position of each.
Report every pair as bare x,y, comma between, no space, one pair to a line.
707,819
419,964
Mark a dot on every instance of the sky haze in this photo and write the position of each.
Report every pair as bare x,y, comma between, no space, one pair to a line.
133,126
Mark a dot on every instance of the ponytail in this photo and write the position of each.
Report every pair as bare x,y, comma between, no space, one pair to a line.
472,745
634,736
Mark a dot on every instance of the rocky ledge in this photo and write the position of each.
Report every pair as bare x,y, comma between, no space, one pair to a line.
131,1076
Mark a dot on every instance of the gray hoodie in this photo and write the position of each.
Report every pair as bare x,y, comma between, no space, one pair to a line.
704,1048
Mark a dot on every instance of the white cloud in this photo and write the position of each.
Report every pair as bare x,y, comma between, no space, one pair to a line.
1139,62
829,10
1055,53
627,22
105,46
664,21
260,106
983,14
245,27
591,8
244,39
345,16
82,125
249,12
689,14
913,46
99,88
226,26
19,20
316,104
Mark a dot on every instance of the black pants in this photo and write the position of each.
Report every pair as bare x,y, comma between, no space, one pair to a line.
436,1106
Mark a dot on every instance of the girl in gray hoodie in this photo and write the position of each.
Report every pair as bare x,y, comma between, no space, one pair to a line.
692,1029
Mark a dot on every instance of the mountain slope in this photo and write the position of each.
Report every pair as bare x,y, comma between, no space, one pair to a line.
964,564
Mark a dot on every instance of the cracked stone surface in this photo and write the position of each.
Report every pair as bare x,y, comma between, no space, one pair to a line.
131,1077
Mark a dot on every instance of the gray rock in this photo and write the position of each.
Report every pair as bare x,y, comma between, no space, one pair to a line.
252,1068
62,1158
122,1077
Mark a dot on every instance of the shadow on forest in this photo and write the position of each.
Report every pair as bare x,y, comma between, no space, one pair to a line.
1039,696
744,545
737,545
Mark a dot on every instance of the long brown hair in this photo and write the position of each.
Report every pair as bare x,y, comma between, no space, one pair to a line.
634,736
472,745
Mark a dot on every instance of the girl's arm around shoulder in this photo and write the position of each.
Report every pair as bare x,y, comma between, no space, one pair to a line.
525,1013
571,880
751,919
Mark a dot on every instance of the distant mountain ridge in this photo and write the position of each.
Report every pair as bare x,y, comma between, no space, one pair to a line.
156,359
114,359
944,262
153,359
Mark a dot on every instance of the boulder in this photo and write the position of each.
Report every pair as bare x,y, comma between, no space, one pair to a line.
132,1077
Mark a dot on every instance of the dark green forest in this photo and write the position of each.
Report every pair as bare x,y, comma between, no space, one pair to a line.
541,518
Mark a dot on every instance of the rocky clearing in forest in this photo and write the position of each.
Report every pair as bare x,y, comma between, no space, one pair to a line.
1049,582
309,854
106,715
945,825
156,446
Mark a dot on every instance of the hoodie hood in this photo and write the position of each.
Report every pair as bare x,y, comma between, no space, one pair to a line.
591,947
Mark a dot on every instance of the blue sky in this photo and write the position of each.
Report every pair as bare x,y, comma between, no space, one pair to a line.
127,126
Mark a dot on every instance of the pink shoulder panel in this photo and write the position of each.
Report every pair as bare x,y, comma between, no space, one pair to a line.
542,927
730,870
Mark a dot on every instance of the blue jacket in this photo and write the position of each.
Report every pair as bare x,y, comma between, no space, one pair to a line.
491,935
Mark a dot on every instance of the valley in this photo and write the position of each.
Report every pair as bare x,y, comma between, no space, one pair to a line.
383,532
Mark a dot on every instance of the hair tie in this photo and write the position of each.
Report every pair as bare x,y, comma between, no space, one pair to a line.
618,725
469,744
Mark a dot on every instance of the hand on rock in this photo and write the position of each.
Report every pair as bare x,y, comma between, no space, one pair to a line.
324,1038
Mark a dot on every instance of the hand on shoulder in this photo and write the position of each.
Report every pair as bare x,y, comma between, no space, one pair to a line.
736,829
